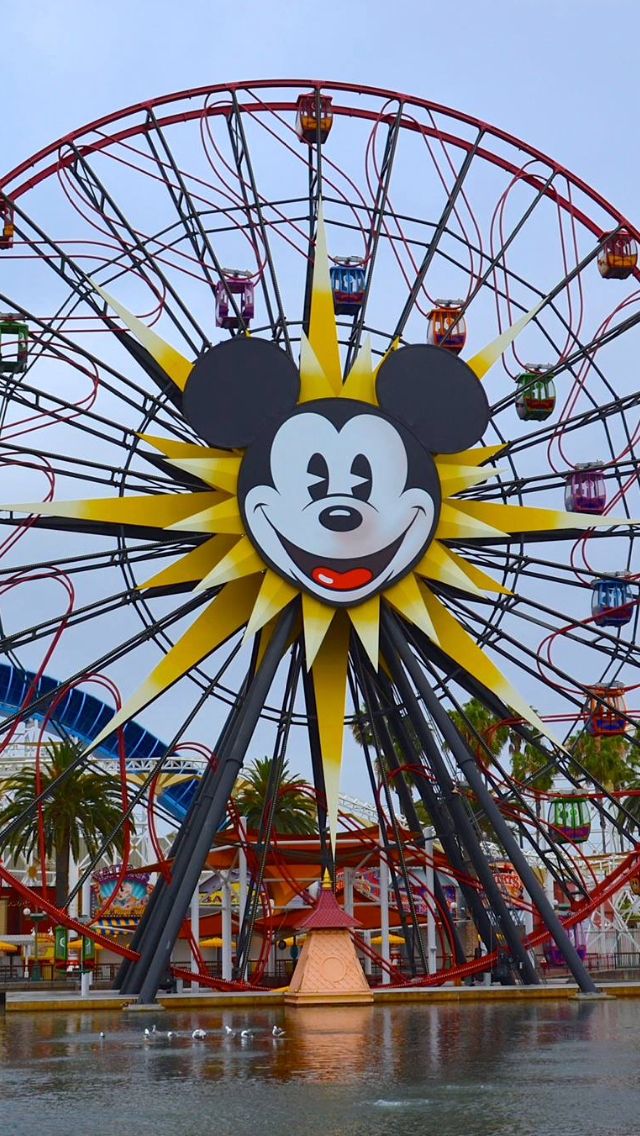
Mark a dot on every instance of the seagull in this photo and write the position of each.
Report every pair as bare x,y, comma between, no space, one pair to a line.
153,1028
198,1035
147,1034
246,1033
277,1032
102,1035
170,1034
229,1032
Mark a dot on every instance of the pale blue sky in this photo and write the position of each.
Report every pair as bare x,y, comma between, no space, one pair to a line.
560,74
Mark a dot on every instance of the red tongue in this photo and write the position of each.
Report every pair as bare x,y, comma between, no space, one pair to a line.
342,581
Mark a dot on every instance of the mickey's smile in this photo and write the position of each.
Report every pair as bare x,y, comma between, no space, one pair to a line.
343,574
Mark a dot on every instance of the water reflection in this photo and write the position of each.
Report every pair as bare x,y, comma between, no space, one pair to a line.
535,1069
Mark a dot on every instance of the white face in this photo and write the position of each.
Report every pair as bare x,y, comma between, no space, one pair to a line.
338,519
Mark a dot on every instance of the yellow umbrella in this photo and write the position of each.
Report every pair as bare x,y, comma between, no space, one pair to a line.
8,948
76,944
213,941
394,940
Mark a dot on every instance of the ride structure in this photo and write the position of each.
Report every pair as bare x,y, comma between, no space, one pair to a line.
341,512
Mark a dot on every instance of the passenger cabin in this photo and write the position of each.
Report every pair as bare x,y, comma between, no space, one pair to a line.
536,394
585,489
314,118
569,820
618,256
446,326
237,284
612,600
14,344
347,284
7,227
607,710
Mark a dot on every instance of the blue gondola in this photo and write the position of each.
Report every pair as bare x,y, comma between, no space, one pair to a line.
612,600
347,285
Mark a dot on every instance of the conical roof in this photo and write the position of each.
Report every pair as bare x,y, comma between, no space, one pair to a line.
327,915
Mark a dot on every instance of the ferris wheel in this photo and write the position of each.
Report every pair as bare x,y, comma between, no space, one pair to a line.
320,402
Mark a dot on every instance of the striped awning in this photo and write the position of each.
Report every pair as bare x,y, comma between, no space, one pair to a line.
115,927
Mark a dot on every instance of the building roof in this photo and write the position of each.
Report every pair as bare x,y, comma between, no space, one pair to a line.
327,915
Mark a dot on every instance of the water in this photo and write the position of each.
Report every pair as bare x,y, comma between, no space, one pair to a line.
545,1069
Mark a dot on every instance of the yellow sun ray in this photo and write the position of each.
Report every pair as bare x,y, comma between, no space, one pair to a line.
406,597
463,649
323,330
360,383
172,362
455,478
526,518
225,615
193,565
241,560
274,595
365,617
483,581
477,456
316,620
485,359
172,449
456,524
440,565
155,511
220,518
313,381
221,473
329,674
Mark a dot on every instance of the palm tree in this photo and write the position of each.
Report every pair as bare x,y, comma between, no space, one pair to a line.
82,812
295,810
480,729
607,761
530,763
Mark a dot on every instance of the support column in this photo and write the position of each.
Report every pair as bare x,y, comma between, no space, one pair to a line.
226,927
396,650
195,931
348,890
475,780
384,912
206,820
430,879
243,880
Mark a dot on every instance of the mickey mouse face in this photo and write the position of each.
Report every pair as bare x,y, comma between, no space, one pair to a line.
339,497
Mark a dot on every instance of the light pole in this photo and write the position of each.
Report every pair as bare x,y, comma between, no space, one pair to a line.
36,917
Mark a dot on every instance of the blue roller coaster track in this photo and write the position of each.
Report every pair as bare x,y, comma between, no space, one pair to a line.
82,715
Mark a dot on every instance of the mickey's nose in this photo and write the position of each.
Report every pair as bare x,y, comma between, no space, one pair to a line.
340,518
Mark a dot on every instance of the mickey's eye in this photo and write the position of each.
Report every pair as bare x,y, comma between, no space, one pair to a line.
318,470
361,473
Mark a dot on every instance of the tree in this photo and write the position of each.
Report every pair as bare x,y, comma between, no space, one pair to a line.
604,758
83,811
480,729
295,810
530,763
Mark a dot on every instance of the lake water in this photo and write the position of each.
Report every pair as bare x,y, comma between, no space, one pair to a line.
545,1069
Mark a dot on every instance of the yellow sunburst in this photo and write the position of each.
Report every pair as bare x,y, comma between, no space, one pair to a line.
252,594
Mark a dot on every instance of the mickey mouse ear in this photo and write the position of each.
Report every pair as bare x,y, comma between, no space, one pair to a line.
239,388
436,395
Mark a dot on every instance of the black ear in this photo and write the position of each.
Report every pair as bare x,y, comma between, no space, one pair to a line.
239,388
436,395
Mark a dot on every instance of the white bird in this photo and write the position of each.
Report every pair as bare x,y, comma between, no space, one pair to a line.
170,1034
246,1033
147,1033
153,1028
277,1032
198,1035
102,1035
229,1032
